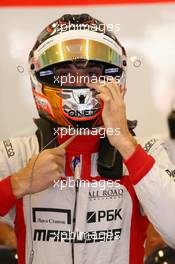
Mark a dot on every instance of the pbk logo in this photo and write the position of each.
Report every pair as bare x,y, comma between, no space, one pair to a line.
109,215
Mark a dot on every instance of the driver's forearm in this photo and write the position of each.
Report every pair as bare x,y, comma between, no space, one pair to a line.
7,197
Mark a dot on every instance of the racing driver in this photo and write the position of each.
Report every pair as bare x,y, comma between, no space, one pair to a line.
83,198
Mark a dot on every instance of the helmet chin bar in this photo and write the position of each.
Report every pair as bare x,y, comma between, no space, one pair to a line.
80,103
76,104
70,106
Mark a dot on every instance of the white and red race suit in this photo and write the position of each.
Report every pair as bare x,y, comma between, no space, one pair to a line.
94,221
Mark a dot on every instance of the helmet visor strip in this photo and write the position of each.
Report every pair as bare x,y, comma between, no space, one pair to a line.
73,49
61,75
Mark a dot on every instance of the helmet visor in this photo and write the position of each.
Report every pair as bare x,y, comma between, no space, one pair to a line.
68,74
73,49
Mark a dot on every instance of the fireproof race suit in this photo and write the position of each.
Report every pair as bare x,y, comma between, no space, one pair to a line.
92,221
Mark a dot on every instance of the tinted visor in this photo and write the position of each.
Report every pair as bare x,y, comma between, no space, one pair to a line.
64,75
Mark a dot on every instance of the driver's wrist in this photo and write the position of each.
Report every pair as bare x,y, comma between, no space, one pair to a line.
18,183
126,146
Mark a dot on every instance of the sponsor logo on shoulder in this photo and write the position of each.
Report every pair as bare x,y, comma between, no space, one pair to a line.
149,144
9,148
171,173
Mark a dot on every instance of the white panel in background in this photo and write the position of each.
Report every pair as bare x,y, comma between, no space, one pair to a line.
147,32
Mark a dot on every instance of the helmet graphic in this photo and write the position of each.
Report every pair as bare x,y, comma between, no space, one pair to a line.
73,40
